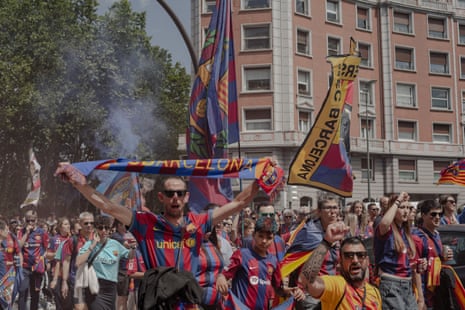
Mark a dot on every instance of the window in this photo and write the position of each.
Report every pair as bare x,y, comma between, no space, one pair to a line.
404,58
366,94
257,119
334,46
439,62
463,101
461,33
303,42
256,4
461,4
256,37
257,78
403,22
367,170
440,98
407,130
365,54
442,133
437,27
437,167
332,11
407,170
302,7
462,67
209,6
303,82
363,18
367,128
406,95
305,121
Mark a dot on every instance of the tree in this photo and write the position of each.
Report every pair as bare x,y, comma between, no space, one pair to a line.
80,87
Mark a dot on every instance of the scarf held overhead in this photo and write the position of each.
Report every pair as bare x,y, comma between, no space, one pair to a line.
268,176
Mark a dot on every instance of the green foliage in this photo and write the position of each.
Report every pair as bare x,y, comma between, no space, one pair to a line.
77,86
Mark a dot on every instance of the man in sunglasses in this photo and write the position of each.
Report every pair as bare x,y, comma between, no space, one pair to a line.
69,253
34,243
172,238
349,290
306,238
428,245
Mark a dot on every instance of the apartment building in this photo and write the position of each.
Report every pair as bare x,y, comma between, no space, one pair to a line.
408,112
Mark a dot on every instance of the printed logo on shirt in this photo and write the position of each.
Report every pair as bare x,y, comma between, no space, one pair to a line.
38,238
115,252
190,243
191,228
254,280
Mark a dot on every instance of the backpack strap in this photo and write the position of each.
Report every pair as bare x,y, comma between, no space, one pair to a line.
342,297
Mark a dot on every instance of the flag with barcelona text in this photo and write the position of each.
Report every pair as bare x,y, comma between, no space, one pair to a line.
322,160
213,119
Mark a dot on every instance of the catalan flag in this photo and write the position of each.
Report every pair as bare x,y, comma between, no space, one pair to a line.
322,160
213,119
454,174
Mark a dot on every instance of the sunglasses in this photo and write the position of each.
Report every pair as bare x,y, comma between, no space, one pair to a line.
374,209
88,223
434,214
170,194
102,227
288,216
30,220
451,201
351,255
267,214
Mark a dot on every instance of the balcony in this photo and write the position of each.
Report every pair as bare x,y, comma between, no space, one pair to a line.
411,148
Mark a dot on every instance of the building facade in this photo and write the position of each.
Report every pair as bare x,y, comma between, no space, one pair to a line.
408,112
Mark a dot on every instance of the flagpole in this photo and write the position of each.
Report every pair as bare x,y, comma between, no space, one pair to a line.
183,32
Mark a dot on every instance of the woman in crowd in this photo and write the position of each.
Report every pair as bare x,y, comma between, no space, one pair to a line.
394,255
450,210
359,210
107,253
64,232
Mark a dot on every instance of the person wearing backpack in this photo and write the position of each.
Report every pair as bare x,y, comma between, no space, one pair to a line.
349,290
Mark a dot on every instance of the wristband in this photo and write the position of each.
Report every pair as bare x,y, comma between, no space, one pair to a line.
397,202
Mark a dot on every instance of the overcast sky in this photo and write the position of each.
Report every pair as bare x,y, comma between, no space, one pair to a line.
160,26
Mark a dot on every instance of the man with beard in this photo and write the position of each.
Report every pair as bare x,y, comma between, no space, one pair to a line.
171,239
349,290
307,236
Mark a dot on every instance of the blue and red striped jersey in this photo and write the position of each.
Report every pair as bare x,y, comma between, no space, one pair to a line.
35,246
163,244
252,277
386,257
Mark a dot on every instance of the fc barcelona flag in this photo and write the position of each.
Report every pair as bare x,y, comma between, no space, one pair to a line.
213,120
322,160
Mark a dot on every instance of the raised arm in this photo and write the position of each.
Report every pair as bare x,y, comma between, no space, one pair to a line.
309,278
73,176
390,214
239,202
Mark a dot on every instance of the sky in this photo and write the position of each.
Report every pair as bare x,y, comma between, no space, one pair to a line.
160,26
